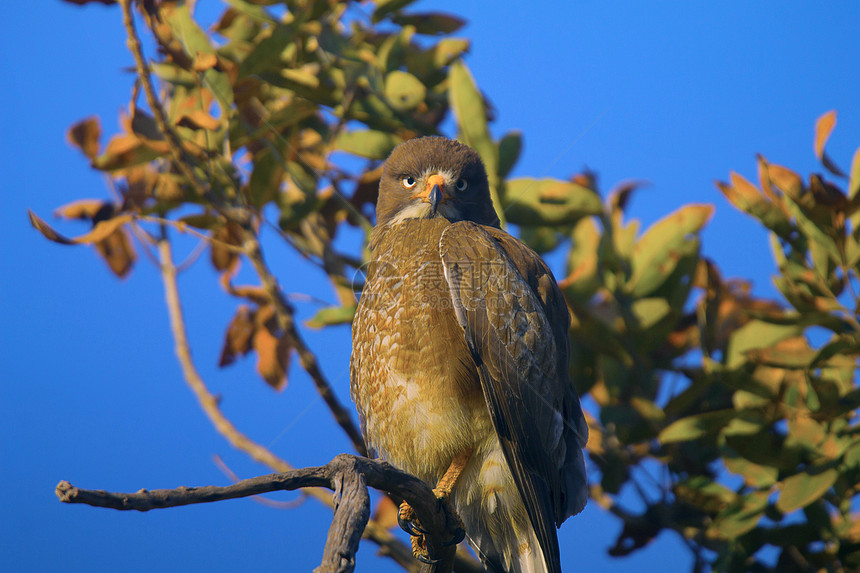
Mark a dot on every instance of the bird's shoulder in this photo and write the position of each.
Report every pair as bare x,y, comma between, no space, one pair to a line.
488,242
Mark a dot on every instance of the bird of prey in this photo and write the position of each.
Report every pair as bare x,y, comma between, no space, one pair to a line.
459,365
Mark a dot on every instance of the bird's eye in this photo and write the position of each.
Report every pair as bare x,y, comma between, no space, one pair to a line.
462,184
408,182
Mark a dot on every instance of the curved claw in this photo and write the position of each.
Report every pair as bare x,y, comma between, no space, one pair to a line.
427,560
459,535
410,527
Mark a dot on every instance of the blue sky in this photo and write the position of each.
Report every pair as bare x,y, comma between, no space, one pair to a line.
674,93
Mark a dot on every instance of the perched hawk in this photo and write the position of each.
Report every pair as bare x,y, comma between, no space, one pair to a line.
460,357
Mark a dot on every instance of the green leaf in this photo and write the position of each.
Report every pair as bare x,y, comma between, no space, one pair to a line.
540,239
755,475
650,311
696,426
802,489
582,280
593,332
404,91
854,181
303,176
205,221
331,316
468,105
844,345
648,410
266,55
367,143
174,74
741,516
392,51
765,449
295,205
746,197
195,41
264,183
704,493
812,231
386,7
744,424
510,147
756,334
537,202
432,24
657,253
851,458
256,12
447,50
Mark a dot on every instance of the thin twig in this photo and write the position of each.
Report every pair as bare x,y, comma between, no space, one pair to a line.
183,227
208,402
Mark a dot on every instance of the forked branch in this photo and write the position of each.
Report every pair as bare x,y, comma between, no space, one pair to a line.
347,475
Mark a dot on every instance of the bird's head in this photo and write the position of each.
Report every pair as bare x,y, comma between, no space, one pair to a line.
434,177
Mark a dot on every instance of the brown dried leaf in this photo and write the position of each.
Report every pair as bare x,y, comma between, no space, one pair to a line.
100,232
222,257
386,513
823,128
85,136
81,209
143,125
199,119
204,61
128,150
764,180
621,194
367,190
237,341
118,252
47,230
786,180
595,435
273,350
168,187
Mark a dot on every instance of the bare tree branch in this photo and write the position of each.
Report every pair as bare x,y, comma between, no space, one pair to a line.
347,475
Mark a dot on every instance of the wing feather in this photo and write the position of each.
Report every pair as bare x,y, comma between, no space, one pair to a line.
515,323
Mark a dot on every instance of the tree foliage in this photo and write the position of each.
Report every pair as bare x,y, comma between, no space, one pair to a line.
731,417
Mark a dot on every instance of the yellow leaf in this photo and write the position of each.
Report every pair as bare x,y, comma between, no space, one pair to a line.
101,231
204,61
787,180
80,209
823,128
